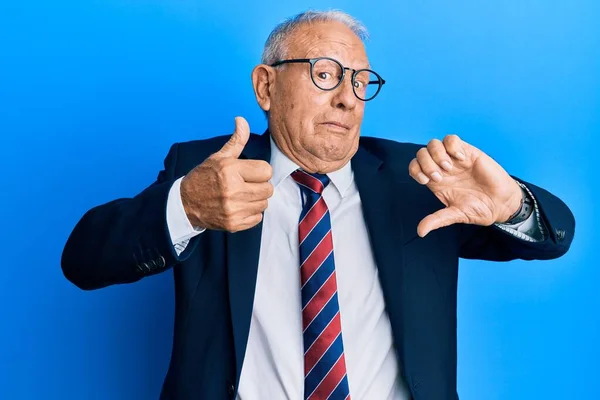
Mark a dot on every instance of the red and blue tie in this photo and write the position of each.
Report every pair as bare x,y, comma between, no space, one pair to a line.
324,364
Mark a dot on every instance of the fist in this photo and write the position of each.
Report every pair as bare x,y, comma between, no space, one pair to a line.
224,192
474,188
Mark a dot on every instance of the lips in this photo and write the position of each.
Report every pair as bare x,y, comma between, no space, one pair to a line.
335,123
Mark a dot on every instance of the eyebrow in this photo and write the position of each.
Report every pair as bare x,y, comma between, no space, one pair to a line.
335,58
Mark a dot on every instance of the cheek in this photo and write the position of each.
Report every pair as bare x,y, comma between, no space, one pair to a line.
294,102
360,109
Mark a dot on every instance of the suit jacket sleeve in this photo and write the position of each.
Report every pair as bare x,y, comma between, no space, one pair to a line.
494,244
126,239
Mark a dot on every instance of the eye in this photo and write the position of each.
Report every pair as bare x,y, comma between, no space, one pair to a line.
324,75
359,85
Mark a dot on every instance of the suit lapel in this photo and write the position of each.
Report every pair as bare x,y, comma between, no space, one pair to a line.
243,250
381,195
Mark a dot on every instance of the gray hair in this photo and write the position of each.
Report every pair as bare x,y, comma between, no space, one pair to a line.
276,45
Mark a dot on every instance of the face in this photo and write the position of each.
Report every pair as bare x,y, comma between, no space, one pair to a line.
317,129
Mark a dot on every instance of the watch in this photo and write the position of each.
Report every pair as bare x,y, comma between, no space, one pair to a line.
525,210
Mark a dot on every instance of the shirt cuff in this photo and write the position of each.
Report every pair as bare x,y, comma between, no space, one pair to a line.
531,229
180,228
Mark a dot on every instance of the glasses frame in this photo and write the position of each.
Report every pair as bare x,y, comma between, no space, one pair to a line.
313,61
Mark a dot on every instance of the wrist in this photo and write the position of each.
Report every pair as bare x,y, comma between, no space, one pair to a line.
521,207
513,204
186,201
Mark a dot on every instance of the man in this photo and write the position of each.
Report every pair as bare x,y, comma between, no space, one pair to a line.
310,262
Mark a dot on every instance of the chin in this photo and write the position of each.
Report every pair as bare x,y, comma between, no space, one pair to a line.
332,149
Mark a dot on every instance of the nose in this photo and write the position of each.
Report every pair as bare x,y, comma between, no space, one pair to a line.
344,97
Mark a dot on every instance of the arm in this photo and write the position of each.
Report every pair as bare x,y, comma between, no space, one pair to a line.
126,239
478,193
496,244
180,227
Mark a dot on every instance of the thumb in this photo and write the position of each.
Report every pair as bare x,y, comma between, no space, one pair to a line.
236,143
444,217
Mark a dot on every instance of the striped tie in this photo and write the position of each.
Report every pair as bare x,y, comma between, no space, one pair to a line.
324,363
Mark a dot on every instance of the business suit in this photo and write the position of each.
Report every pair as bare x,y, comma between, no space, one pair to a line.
127,239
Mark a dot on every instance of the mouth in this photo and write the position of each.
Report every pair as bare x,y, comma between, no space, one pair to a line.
335,125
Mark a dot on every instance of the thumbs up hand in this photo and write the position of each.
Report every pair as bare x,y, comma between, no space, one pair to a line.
226,193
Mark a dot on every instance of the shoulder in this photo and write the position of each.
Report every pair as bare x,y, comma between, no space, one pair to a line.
200,148
395,155
385,147
184,156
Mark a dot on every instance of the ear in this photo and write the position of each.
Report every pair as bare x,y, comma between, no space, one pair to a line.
263,78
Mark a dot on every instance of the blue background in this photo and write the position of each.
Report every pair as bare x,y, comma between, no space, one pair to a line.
92,94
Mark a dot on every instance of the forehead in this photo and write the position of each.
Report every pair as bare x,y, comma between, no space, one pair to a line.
328,39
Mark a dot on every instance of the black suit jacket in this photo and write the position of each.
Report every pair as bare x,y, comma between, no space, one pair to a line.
128,239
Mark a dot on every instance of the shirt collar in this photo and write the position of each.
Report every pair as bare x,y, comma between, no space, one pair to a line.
283,167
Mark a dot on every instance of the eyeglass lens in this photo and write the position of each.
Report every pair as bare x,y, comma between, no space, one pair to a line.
326,74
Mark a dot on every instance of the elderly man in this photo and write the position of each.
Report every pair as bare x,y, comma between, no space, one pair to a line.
311,263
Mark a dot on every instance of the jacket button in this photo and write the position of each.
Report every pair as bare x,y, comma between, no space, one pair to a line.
230,389
560,234
160,262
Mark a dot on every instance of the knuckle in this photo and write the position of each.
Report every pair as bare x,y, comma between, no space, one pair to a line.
268,169
230,226
226,196
231,229
263,164
227,165
227,211
413,167
422,152
451,139
212,158
226,181
222,170
268,191
256,219
436,148
433,143
262,169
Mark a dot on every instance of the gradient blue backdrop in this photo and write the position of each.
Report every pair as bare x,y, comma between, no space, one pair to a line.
92,94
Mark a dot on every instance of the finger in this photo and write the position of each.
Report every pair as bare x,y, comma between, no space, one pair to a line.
250,221
255,207
414,170
444,217
236,143
257,171
437,150
244,216
455,147
259,191
428,166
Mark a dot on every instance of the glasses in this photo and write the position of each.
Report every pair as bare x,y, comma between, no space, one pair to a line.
328,73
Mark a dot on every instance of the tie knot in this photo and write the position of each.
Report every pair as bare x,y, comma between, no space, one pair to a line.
314,182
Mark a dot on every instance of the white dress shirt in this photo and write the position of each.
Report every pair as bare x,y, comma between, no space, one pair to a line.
273,366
